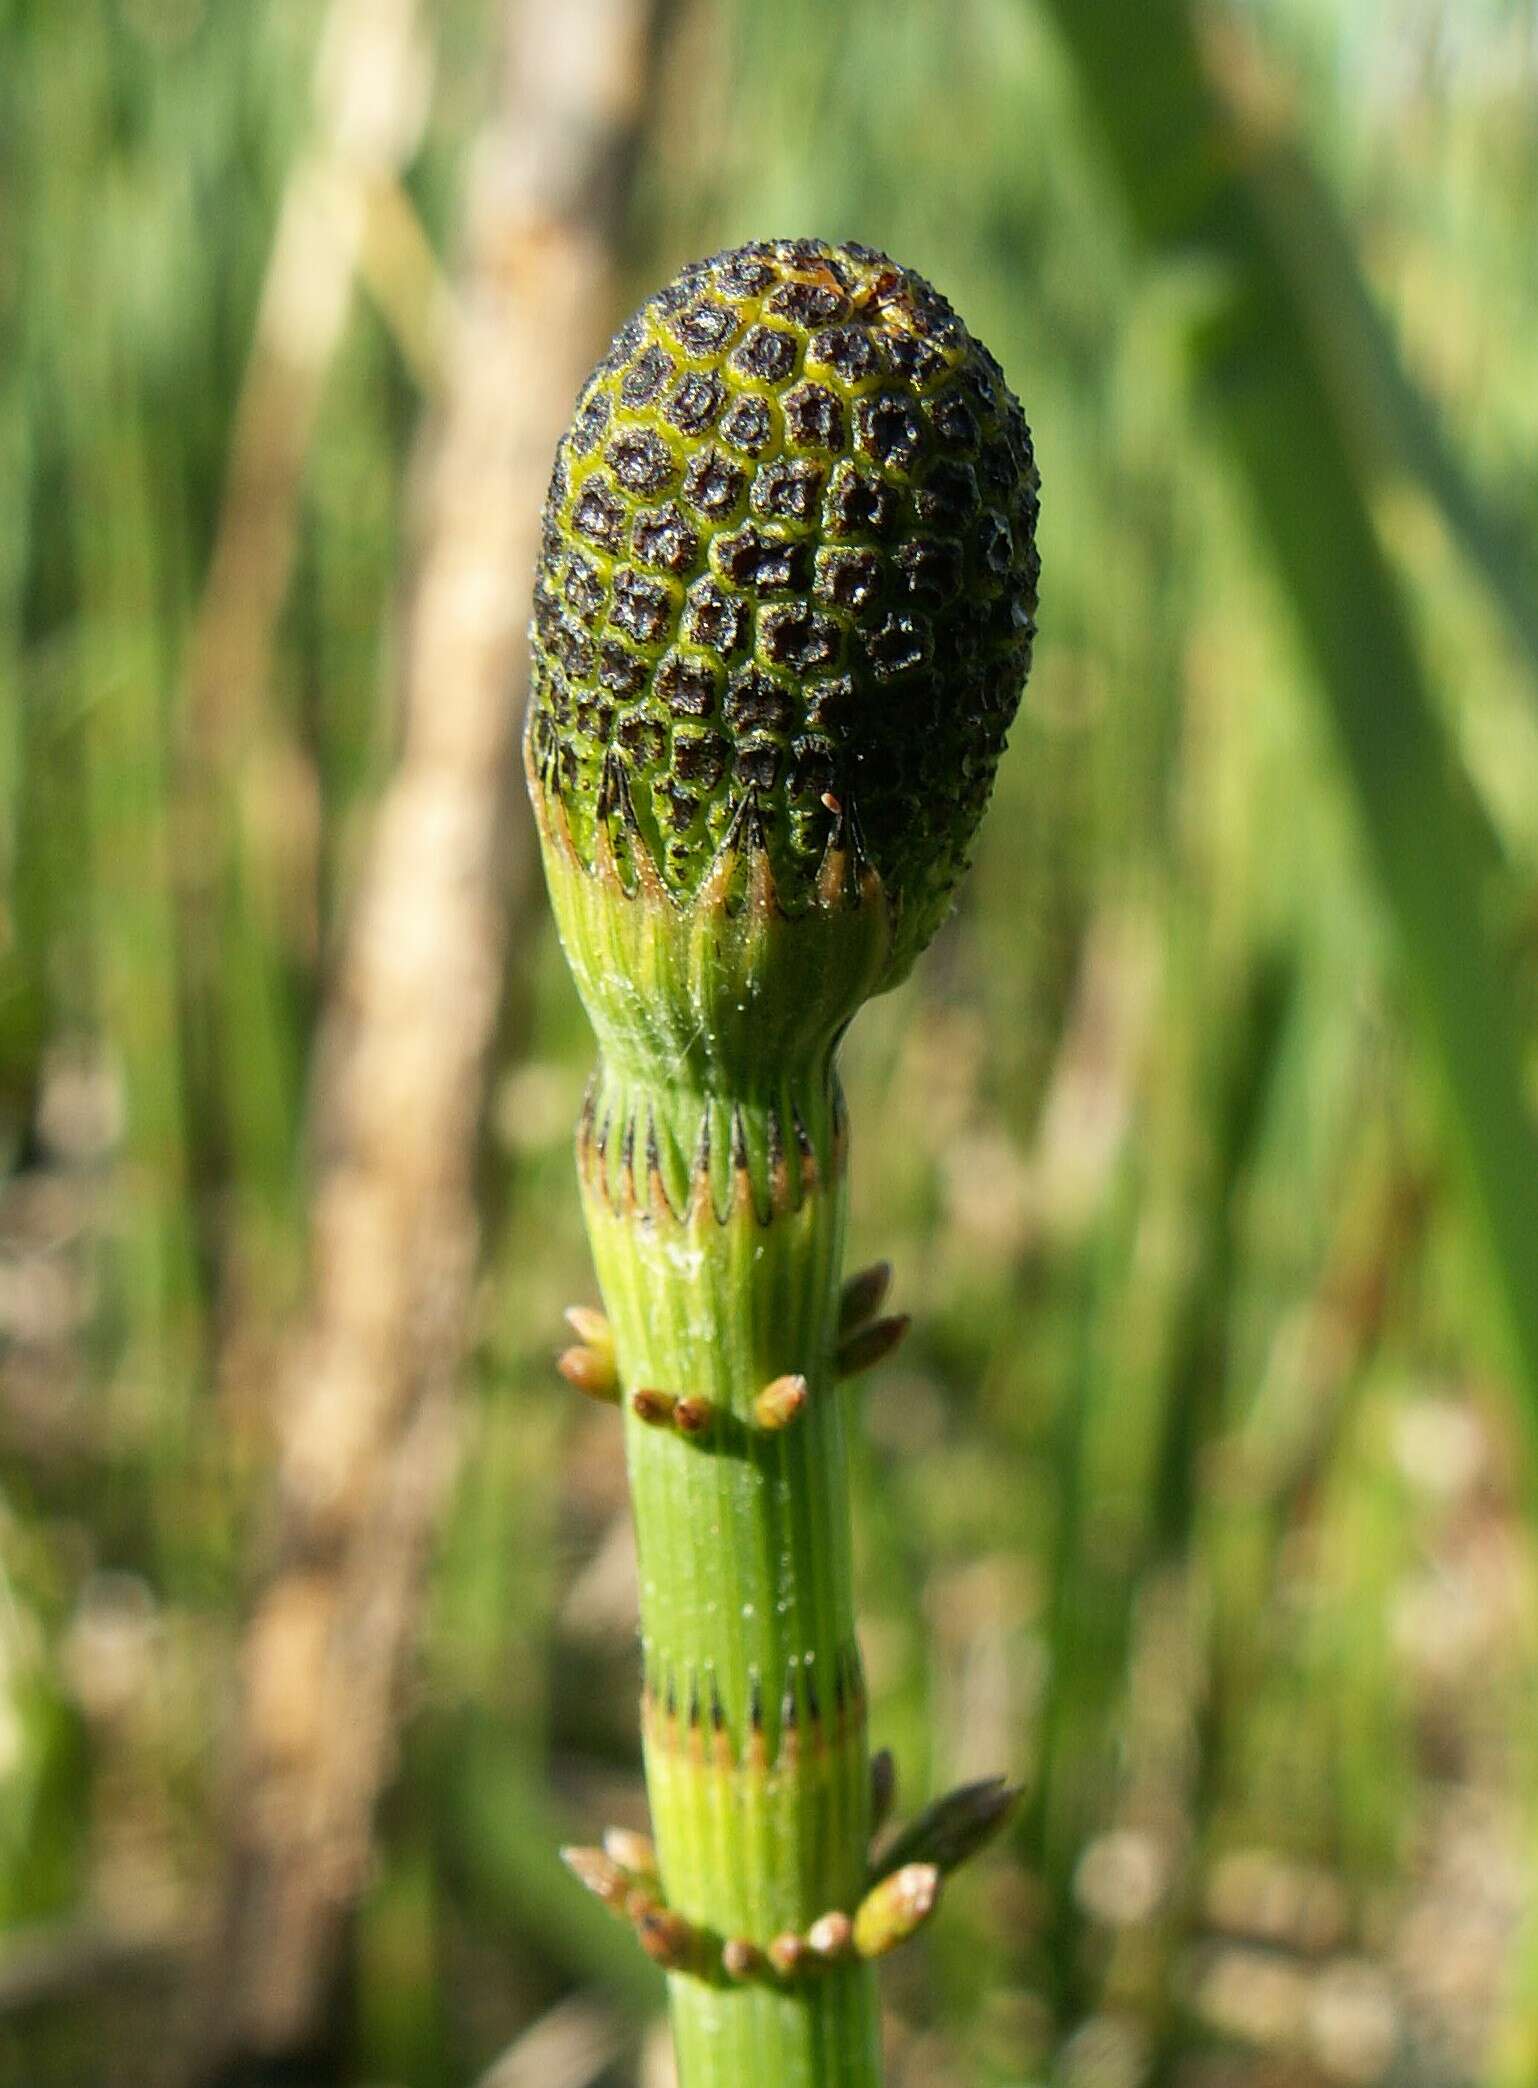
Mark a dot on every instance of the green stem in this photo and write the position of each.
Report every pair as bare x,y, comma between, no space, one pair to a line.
716,1223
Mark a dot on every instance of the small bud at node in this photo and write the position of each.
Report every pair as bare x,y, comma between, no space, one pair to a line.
787,1954
634,1853
831,1936
600,1874
654,1407
780,1401
870,1345
692,1415
863,1297
591,1371
667,1938
893,1910
741,1959
591,1328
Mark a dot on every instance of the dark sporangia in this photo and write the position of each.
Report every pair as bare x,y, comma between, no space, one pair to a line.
794,456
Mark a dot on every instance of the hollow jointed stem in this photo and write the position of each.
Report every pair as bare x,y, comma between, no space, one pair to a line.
754,1709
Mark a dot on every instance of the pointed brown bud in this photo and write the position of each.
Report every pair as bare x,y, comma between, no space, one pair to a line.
741,1959
635,1854
591,1328
591,1371
654,1407
868,1345
883,1788
863,1297
692,1415
954,1827
831,1936
601,1875
893,1910
787,1954
780,1401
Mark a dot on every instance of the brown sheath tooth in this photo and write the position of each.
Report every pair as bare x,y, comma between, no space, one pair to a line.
587,1123
833,870
724,1753
742,1178
781,1195
781,1401
757,1751
649,882
603,804
831,1936
627,1181
596,1164
763,898
699,1180
863,1297
659,1201
790,1724
697,1726
870,1345
806,1154
813,1704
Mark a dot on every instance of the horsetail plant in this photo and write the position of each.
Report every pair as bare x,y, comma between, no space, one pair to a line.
783,616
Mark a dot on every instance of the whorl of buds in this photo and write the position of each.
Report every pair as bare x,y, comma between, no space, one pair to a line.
783,614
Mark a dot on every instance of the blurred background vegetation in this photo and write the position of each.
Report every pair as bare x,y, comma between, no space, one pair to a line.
1199,1496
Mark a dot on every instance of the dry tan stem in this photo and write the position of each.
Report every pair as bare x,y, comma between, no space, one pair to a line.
370,86
366,1431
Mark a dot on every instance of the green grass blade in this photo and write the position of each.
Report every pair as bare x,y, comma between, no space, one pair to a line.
1192,178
